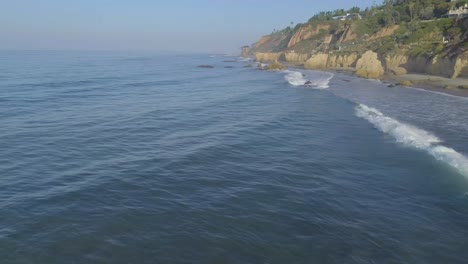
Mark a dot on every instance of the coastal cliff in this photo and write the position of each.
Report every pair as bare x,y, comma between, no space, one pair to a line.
373,44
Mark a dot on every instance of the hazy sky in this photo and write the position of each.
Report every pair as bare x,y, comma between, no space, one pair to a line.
160,25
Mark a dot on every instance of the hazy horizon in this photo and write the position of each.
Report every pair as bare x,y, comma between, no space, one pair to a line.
185,26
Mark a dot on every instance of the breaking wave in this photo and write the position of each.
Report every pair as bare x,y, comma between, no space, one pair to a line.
296,78
242,59
412,136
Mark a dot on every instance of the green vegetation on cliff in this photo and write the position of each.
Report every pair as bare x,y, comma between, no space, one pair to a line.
410,27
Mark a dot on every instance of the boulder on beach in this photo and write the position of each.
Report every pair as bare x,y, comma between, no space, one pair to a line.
406,83
398,71
369,66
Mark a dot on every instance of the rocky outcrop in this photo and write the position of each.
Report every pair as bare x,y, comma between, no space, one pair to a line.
306,32
268,56
369,66
245,51
296,58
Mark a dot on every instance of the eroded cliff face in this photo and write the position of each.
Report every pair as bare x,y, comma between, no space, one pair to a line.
268,56
306,32
370,65
330,60
318,61
385,32
296,58
440,66
345,45
343,60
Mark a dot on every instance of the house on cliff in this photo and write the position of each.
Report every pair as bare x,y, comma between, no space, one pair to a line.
460,12
348,17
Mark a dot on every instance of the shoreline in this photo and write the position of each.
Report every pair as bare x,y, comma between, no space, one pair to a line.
431,83
418,81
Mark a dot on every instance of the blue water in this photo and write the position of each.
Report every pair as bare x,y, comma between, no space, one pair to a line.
143,158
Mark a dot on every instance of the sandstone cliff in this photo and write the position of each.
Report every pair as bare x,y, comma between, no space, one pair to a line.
268,56
296,58
373,44
306,32
330,61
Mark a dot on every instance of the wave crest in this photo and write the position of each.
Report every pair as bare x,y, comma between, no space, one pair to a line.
412,136
296,78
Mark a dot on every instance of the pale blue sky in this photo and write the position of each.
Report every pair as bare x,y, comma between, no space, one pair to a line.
176,25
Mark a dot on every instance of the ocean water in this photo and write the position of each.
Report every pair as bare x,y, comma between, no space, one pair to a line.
110,157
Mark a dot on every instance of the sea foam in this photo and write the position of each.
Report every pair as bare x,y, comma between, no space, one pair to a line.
412,136
296,78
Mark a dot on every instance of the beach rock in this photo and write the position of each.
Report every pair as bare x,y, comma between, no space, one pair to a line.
248,66
276,66
205,66
308,83
369,66
228,67
398,71
229,61
406,83
450,87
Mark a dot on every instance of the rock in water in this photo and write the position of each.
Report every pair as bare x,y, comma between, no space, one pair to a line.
206,66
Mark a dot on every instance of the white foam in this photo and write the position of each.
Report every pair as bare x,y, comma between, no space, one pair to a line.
242,59
296,78
412,136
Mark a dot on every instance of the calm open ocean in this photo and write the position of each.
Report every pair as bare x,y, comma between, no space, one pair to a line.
110,157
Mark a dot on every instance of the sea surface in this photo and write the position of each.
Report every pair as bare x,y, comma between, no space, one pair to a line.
124,157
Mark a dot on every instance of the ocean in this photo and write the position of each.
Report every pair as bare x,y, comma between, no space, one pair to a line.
126,157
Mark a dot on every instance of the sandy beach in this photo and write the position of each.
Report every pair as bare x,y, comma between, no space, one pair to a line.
458,86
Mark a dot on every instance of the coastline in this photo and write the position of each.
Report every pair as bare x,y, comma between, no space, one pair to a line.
414,80
431,83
